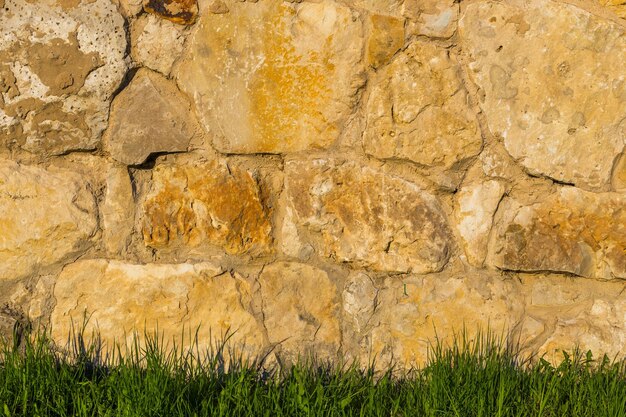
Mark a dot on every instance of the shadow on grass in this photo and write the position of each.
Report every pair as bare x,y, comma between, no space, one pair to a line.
480,376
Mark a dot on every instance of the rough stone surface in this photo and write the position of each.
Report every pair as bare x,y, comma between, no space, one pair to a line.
195,203
386,38
300,309
476,205
418,110
46,217
183,12
156,43
142,297
616,6
59,66
556,96
117,210
149,116
414,311
287,80
436,18
574,231
362,216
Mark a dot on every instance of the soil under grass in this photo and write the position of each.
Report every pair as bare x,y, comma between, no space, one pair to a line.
481,378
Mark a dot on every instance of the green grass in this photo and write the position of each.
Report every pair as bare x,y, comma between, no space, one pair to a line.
482,378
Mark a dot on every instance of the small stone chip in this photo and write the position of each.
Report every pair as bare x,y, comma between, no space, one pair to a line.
218,7
183,12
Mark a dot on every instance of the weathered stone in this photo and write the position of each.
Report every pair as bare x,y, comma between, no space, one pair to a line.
573,231
176,299
46,218
386,38
183,12
619,174
562,313
415,312
117,210
300,309
476,205
359,299
552,80
616,6
192,203
129,8
149,116
436,18
156,43
59,66
418,110
287,80
362,216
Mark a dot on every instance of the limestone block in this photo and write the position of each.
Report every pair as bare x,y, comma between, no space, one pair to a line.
552,80
385,39
476,205
60,62
619,174
192,203
121,298
572,231
414,312
362,216
149,116
300,309
117,210
183,12
46,219
156,43
286,81
418,110
564,312
359,299
435,18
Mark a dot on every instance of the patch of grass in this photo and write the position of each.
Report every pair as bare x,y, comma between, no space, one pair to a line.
484,377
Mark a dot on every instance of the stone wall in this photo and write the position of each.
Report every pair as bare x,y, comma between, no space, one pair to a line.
348,177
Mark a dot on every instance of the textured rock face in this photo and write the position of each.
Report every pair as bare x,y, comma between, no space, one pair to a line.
300,309
46,217
574,231
477,203
335,177
60,62
140,297
559,108
287,80
205,203
149,116
418,110
363,216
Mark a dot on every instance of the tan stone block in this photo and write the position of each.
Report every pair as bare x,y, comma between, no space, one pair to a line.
573,231
362,216
552,80
177,299
59,66
287,80
46,219
149,116
385,39
192,203
616,6
156,43
414,313
117,210
476,206
418,111
300,309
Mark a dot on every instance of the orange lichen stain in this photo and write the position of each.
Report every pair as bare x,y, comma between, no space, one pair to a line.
563,233
183,12
289,91
207,204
